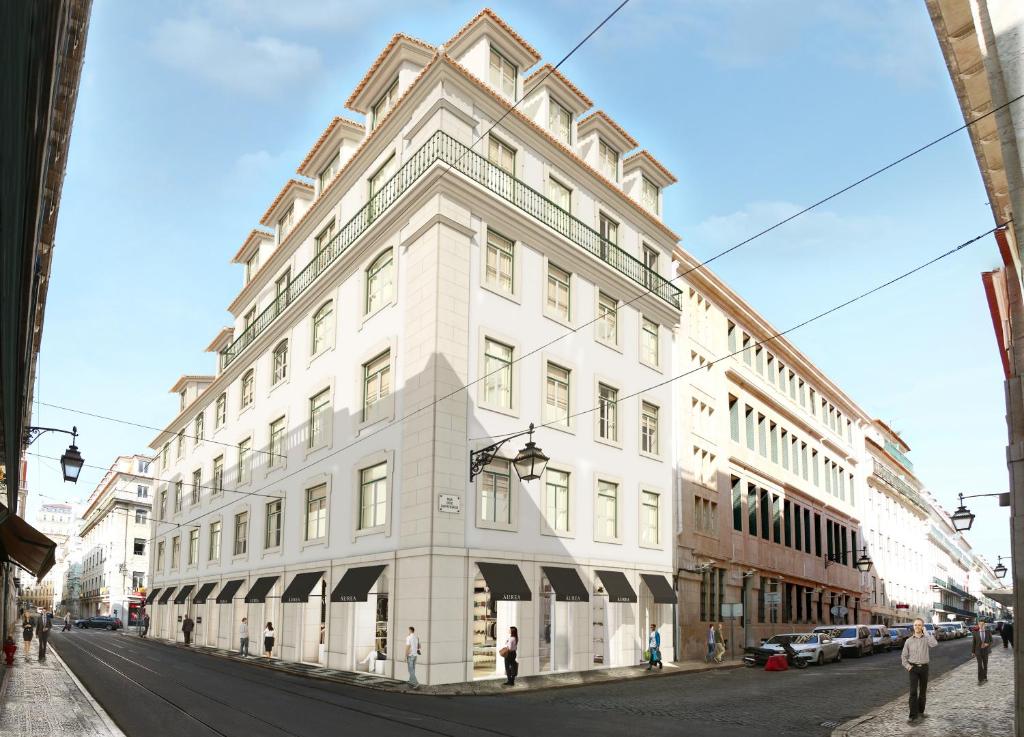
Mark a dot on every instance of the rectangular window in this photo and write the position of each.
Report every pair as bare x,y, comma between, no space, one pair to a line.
731,336
650,529
252,265
241,533
785,449
178,495
787,516
163,504
193,547
807,531
773,433
497,374
607,412
373,496
797,527
503,74
608,161
324,238
319,416
272,533
762,435
218,476
285,223
559,122
801,392
748,416
245,461
769,372
776,519
795,448
556,395
276,451
316,512
141,516
214,540
384,104
197,428
327,173
160,555
220,414
501,155
248,387
377,182
279,363
142,492
748,356
737,505
181,444
558,295
556,508
734,418
607,510
139,544
649,194
607,319
500,253
649,342
766,514
559,194
648,428
197,485
814,467
782,376
752,510
792,386
380,286
175,552
803,460
376,386
817,533
495,485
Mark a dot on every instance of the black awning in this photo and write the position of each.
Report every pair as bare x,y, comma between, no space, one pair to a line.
23,544
152,595
617,586
567,584
660,587
183,593
355,585
300,587
167,594
258,593
505,581
204,592
227,594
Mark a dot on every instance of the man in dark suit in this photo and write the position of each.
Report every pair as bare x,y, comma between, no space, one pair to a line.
980,648
43,633
1007,633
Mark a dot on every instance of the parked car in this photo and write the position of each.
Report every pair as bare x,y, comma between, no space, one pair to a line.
899,636
945,631
99,622
956,630
928,627
881,642
853,640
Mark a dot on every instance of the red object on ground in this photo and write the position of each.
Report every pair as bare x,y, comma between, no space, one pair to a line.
10,650
776,662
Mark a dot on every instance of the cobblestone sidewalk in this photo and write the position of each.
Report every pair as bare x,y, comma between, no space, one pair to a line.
957,705
43,699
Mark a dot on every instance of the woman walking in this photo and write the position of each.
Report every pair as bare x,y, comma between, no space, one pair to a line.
509,654
654,646
27,629
268,640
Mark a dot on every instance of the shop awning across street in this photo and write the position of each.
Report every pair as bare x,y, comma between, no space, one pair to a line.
567,584
660,588
204,592
355,585
167,595
183,593
505,581
24,545
227,594
299,589
152,595
258,593
617,586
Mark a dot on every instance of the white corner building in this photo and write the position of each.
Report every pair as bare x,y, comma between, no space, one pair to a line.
320,480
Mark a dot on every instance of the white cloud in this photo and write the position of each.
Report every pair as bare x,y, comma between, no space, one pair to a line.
259,66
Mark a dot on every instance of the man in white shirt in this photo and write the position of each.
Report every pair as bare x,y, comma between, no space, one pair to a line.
412,649
243,638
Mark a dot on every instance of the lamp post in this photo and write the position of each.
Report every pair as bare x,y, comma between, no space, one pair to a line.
863,562
963,518
530,462
1000,569
71,462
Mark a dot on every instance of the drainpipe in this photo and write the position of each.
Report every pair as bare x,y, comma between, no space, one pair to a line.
676,624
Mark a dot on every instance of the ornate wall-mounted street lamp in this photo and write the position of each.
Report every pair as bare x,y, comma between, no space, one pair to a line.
863,562
530,462
71,462
963,518
1000,569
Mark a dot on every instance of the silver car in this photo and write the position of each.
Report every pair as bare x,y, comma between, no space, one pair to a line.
880,640
813,647
855,639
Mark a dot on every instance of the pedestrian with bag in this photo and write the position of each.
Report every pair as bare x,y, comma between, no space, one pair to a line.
243,638
915,659
710,642
43,632
145,625
719,643
412,651
508,652
981,648
654,648
268,640
186,629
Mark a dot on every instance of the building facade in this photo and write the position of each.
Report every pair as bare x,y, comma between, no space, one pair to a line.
321,478
115,535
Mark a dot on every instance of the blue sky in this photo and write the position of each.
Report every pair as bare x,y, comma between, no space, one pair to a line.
192,115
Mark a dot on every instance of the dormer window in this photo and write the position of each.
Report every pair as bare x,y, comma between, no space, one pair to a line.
608,160
284,225
559,122
183,399
383,106
252,265
503,74
649,194
328,172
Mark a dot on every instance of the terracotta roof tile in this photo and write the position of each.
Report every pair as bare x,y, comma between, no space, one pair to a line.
618,128
338,120
561,77
281,195
255,233
644,153
380,60
488,13
226,332
185,378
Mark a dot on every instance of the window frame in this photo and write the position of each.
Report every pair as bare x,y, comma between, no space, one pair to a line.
644,337
616,419
245,538
501,82
550,311
546,527
279,363
513,486
381,268
325,323
511,254
599,533
658,443
602,301
385,104
513,373
277,514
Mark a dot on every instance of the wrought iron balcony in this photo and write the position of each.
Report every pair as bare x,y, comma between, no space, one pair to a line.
441,147
899,485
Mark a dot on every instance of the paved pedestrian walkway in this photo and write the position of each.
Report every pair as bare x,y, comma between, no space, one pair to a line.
489,687
957,705
42,698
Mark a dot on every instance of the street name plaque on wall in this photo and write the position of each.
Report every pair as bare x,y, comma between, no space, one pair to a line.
449,503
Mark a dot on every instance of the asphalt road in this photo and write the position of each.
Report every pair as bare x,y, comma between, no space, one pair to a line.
152,690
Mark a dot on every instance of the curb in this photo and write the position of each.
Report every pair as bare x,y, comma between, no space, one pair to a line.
112,728
403,688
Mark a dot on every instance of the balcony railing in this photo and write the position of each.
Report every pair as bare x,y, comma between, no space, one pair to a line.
899,485
441,147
